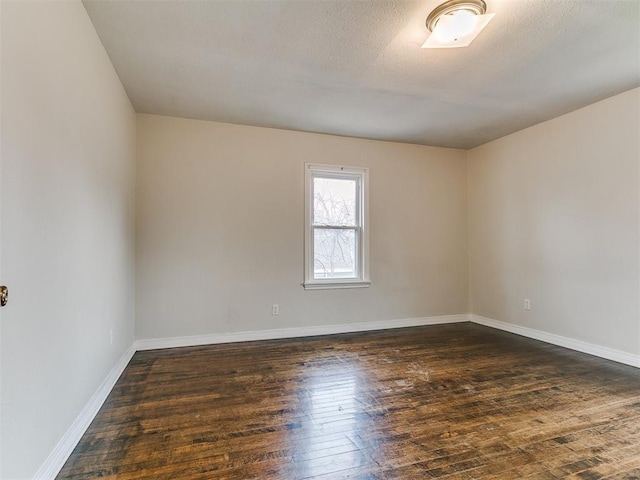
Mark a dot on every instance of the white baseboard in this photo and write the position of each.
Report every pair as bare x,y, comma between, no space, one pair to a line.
56,459
171,342
566,342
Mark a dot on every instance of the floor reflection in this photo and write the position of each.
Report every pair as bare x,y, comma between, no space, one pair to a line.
336,416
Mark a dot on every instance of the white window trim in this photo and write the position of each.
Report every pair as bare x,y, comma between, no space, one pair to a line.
363,280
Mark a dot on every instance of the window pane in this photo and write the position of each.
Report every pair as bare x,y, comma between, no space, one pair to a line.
334,253
334,201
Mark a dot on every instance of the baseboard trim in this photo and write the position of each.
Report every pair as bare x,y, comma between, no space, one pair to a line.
295,332
566,342
57,458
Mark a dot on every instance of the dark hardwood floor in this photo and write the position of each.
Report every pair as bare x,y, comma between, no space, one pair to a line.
455,401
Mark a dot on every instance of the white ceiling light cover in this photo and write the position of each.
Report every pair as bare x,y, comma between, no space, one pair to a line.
456,23
457,30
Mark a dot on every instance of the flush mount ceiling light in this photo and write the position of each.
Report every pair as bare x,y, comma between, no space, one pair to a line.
456,23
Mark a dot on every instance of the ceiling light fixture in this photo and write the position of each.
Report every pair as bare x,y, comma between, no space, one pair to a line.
456,23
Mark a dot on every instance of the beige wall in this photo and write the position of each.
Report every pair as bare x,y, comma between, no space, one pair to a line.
68,175
220,229
554,216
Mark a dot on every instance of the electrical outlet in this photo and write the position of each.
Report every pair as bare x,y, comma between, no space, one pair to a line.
111,336
275,309
527,304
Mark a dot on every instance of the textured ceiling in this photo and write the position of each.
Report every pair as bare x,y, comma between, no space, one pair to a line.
355,67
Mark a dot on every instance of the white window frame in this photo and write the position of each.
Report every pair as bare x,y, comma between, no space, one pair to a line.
361,175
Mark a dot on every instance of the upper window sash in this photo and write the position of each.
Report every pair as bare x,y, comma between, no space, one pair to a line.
356,178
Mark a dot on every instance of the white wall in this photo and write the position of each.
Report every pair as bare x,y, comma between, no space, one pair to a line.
68,175
220,229
555,217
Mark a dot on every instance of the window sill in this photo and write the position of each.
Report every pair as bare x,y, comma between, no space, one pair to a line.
335,285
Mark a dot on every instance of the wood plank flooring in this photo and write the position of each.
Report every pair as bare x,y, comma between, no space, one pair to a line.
457,401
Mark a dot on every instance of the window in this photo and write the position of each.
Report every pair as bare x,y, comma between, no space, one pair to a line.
336,227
